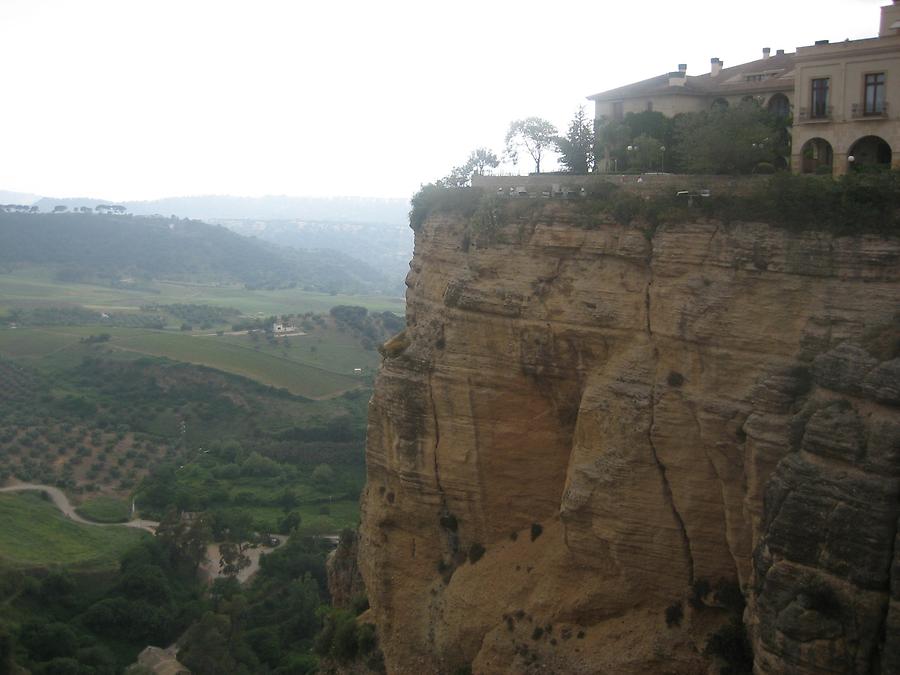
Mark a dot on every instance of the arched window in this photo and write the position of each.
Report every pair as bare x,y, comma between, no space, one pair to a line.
779,105
817,156
869,151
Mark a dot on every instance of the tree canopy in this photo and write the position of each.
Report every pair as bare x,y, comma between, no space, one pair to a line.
532,134
479,160
728,140
576,148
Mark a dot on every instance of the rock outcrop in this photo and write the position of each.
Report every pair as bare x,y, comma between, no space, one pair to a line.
345,584
589,438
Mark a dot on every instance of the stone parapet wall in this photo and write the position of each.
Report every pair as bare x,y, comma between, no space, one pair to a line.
536,185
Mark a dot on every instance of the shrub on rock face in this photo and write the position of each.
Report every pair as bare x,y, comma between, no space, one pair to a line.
699,591
674,614
395,346
536,530
731,644
476,551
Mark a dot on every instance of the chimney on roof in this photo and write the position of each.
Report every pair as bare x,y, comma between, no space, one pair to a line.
715,66
821,42
780,52
767,51
679,77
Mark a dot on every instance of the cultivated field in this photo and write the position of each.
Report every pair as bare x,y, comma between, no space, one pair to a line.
36,286
277,368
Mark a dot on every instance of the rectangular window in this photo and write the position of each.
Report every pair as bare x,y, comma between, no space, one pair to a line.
649,106
874,94
617,112
819,106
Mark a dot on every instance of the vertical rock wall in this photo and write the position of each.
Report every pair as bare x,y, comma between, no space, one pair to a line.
587,431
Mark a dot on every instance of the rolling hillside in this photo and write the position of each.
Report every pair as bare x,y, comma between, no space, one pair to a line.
119,249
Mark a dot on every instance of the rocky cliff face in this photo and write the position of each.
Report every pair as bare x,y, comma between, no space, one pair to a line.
590,438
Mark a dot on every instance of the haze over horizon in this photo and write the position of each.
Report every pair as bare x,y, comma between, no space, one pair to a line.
140,101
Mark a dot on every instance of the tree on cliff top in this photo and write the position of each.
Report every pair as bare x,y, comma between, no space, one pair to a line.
533,134
576,148
479,160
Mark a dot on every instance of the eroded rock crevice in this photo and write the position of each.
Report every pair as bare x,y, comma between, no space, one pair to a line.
611,418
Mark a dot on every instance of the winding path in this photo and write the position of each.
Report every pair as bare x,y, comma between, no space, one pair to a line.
208,570
63,504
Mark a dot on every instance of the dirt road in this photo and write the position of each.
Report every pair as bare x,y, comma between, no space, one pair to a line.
63,504
209,570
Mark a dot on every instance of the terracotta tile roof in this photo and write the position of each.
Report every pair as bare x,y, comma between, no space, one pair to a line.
777,72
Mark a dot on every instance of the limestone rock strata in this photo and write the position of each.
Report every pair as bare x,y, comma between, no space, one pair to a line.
585,432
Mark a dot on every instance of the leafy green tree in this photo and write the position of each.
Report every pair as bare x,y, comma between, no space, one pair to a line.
612,139
184,541
461,176
645,153
323,473
45,641
289,523
257,465
232,559
576,148
207,647
532,134
650,123
481,159
727,140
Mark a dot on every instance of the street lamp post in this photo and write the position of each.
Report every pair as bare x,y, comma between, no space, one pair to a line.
662,159
633,149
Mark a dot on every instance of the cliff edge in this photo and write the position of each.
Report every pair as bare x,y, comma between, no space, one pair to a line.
607,448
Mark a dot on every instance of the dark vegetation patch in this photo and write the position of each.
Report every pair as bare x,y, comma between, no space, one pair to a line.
476,552
731,644
536,530
675,379
674,614
859,202
699,590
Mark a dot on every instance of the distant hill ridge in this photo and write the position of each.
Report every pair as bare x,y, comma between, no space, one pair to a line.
353,209
91,247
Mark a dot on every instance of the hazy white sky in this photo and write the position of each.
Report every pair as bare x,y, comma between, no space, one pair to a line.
138,99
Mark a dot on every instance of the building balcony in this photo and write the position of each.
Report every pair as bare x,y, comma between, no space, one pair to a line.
858,112
808,115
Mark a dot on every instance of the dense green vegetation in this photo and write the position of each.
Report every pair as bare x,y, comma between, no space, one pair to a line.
253,492
130,252
78,621
121,388
107,418
724,140
855,203
66,622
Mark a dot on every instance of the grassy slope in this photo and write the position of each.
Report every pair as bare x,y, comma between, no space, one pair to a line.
35,286
36,534
326,348
105,509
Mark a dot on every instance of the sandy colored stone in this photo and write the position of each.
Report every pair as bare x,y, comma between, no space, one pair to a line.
633,395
